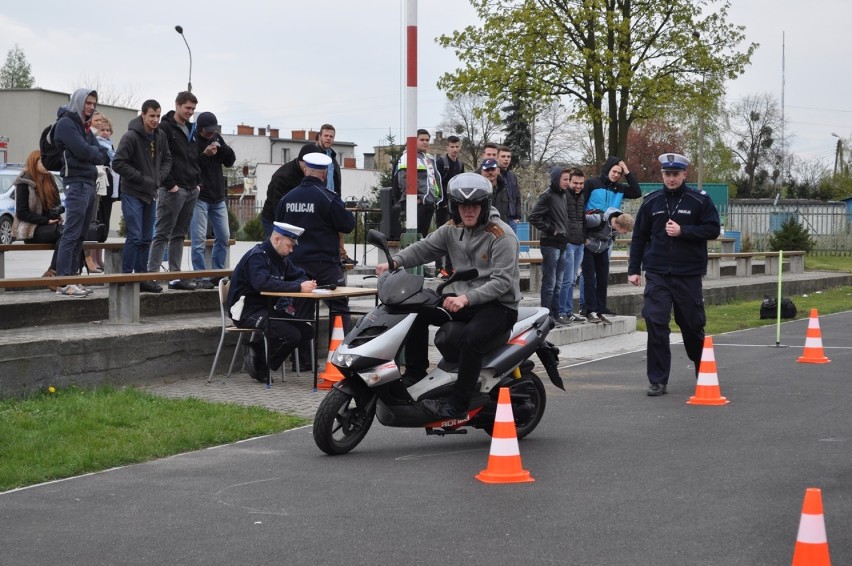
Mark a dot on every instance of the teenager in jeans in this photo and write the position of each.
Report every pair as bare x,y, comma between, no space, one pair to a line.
575,202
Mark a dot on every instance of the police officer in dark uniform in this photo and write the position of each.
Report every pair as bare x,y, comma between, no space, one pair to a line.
670,243
266,267
321,213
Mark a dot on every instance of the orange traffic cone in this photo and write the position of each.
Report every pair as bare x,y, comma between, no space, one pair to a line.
504,460
811,542
331,374
707,389
813,353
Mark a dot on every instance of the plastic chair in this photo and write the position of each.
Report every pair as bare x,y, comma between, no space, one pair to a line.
224,286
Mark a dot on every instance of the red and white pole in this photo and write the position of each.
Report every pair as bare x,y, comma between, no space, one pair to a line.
411,115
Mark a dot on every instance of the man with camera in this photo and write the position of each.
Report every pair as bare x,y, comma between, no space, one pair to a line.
143,160
213,153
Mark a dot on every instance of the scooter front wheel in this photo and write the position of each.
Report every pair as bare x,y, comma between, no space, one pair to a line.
341,423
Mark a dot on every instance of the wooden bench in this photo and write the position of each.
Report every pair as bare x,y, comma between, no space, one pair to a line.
123,287
745,261
112,252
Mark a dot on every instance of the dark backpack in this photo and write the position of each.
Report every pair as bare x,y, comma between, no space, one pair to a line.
51,156
769,308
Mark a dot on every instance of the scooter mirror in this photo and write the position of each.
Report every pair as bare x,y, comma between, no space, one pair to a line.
376,238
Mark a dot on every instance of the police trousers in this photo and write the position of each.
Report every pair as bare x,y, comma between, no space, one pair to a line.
685,295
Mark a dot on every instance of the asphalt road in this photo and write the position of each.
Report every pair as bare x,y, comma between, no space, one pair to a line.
621,478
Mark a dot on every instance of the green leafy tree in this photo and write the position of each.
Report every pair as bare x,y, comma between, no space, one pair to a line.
16,72
611,61
791,236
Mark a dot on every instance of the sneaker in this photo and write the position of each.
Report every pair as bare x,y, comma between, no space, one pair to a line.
72,291
86,289
604,319
204,284
181,285
594,318
563,320
576,318
150,287
657,389
346,260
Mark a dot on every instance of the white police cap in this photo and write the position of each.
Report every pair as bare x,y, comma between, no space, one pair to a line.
317,160
673,162
292,232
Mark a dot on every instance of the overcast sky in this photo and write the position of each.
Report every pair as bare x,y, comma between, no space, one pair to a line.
296,65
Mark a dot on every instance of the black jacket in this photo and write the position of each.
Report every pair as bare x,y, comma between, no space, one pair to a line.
213,187
550,214
501,198
141,174
651,249
185,172
283,181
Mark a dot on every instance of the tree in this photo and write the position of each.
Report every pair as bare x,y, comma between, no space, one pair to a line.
16,72
615,61
517,128
469,117
648,140
791,236
110,95
755,127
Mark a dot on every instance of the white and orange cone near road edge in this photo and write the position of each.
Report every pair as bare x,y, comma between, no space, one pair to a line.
707,390
331,374
811,542
813,353
504,460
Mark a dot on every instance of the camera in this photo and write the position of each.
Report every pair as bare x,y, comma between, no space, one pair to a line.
55,212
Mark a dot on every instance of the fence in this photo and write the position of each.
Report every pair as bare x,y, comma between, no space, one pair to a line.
243,207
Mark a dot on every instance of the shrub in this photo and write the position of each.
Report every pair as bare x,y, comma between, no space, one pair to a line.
233,222
791,236
253,230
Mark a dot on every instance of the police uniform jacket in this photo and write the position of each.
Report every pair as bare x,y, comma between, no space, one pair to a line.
653,250
322,214
263,269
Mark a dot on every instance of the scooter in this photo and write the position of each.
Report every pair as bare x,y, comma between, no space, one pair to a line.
373,387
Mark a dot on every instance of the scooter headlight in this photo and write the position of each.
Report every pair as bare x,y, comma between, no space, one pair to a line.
344,360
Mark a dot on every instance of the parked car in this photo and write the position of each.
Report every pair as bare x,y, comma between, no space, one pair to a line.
8,173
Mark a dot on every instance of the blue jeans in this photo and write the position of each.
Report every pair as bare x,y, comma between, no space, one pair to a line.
139,225
174,213
217,214
552,269
79,198
573,261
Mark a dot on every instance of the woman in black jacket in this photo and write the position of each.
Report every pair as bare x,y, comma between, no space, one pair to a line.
38,211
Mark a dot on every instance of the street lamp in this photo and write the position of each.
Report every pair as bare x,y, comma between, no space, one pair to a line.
700,167
179,29
838,154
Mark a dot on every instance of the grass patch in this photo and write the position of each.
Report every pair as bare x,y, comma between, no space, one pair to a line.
76,431
740,315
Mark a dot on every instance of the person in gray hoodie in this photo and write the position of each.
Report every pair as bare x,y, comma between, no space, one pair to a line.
476,238
143,161
81,153
601,227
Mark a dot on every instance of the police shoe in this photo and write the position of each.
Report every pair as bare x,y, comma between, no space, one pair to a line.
656,389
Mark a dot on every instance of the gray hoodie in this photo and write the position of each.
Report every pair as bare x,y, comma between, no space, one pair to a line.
491,249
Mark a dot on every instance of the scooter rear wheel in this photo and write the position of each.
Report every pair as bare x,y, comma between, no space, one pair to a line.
341,423
528,402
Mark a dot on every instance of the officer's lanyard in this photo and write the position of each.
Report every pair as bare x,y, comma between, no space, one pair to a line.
669,211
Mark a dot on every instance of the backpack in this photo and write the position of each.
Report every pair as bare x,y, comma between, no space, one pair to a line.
769,308
51,156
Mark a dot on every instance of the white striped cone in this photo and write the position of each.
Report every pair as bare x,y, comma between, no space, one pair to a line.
504,460
331,374
811,541
707,390
813,352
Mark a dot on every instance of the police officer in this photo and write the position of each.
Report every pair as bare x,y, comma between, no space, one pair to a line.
670,243
266,267
321,213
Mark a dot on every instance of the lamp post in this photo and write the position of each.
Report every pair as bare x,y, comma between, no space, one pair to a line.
700,165
838,154
179,29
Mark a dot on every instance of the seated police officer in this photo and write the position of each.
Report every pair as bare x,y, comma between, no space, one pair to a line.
475,238
266,267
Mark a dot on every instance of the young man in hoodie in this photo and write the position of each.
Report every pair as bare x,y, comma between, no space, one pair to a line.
81,154
550,216
177,196
609,190
143,161
574,249
213,154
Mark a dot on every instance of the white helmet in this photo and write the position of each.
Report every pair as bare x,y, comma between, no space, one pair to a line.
470,188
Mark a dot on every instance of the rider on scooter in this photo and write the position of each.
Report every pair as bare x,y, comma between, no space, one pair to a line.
475,238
